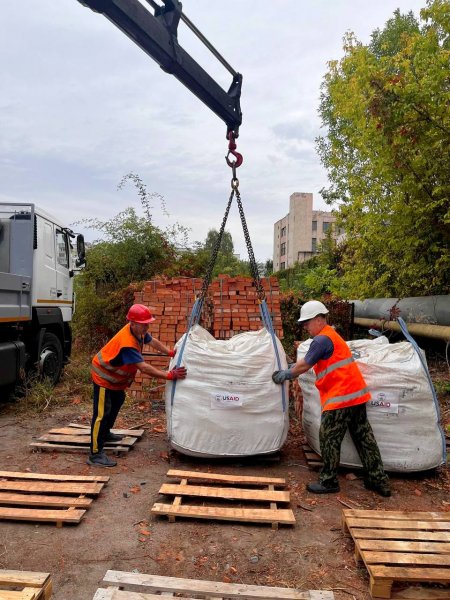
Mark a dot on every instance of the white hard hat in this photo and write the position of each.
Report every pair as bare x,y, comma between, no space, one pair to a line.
311,309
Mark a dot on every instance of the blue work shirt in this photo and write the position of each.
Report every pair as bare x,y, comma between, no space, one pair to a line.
130,356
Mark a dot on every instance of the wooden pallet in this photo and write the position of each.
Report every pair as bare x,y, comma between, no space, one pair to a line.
47,498
137,586
76,438
313,460
188,487
25,585
400,546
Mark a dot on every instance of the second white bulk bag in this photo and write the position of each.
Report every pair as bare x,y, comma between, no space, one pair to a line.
228,404
403,411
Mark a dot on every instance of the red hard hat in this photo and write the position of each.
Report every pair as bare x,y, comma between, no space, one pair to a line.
140,314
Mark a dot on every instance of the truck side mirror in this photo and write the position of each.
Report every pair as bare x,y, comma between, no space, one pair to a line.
81,251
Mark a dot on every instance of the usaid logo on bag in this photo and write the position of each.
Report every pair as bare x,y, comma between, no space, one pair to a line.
384,402
220,400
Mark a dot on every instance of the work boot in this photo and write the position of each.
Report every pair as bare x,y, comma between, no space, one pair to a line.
380,488
113,437
319,488
100,460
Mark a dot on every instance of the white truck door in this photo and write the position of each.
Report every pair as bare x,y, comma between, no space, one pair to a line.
44,275
64,285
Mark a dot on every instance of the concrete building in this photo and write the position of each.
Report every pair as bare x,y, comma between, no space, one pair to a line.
297,236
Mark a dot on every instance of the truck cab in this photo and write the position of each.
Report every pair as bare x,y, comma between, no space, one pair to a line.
37,266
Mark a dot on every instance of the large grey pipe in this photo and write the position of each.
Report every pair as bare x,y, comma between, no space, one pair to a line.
427,316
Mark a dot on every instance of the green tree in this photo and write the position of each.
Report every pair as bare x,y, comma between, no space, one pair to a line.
131,249
387,152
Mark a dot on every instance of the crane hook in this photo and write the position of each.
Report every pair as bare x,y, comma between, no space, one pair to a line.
234,164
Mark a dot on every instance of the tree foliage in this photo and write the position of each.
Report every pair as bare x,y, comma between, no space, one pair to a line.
386,107
131,249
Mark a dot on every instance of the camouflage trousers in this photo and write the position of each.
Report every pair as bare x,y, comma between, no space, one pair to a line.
333,426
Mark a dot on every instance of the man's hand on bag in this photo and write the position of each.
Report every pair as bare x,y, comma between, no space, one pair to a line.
282,376
177,373
172,353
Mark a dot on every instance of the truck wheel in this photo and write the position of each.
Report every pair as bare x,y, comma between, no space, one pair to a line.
50,362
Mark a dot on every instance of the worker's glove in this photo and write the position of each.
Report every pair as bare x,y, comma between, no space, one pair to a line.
282,376
172,353
177,373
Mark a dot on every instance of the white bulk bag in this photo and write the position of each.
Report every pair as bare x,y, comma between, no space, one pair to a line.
403,413
228,404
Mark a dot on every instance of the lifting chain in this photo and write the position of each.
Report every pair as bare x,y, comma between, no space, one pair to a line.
253,265
234,192
215,251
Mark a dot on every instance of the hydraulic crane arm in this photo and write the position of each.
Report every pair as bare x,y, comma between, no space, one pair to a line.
157,36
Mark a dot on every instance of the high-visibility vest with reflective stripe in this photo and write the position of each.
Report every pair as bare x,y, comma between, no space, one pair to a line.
104,373
338,378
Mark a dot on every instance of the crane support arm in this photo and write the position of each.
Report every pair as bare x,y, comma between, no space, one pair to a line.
157,36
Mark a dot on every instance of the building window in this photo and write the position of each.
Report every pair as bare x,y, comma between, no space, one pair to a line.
282,266
283,231
314,225
314,245
325,226
283,249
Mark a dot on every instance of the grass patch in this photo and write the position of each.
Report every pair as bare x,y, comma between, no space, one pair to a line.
37,395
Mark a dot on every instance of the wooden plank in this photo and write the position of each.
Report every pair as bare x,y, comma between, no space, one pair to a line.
226,493
253,515
53,477
72,430
52,487
215,589
40,500
404,546
177,501
406,558
393,524
114,594
23,578
36,514
22,595
83,439
421,574
397,515
102,594
226,478
71,448
399,534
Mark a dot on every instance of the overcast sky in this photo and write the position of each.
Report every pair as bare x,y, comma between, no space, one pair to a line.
81,106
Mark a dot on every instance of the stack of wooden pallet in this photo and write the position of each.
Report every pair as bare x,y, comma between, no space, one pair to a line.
25,585
43,497
216,488
231,307
138,586
406,547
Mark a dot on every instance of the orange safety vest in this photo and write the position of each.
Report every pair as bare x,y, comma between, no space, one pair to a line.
338,378
104,373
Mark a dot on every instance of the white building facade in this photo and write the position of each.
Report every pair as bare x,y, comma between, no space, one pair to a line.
298,235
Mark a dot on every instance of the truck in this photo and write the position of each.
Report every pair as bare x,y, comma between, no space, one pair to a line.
37,303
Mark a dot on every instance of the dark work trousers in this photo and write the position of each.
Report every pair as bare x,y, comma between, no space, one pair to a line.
333,426
107,404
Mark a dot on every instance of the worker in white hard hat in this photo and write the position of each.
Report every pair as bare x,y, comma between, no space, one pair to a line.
343,395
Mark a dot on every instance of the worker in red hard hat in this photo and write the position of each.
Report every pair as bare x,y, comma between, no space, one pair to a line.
113,370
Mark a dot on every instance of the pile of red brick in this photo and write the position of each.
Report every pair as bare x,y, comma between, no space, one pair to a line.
231,307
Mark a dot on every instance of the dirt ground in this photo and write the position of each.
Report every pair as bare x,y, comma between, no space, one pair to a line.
119,533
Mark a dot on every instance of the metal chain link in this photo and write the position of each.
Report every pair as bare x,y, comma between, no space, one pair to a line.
253,265
215,252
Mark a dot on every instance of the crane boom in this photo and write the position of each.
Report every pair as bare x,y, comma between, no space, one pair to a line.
157,36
